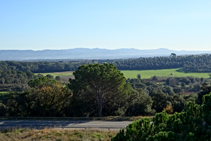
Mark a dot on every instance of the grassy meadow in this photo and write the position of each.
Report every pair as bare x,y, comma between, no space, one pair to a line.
163,72
3,92
144,73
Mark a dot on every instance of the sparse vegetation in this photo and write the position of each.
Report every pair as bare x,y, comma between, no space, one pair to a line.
56,135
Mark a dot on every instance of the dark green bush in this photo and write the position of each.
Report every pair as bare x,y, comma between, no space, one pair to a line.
193,123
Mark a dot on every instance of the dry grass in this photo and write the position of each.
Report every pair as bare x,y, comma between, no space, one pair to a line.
56,135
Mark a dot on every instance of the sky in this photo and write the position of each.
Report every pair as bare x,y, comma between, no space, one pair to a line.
108,24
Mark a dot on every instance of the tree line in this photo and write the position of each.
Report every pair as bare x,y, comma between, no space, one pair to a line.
189,63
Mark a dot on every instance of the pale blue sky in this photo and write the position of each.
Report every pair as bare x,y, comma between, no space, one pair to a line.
111,24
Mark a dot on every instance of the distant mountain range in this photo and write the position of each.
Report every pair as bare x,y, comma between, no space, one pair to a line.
84,53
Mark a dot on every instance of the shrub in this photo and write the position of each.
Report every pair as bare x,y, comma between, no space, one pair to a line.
193,123
169,109
155,78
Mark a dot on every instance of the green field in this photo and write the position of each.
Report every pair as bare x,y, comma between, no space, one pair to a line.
65,73
164,72
3,92
144,73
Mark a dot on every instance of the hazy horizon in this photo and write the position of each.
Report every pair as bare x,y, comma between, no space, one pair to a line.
143,25
104,48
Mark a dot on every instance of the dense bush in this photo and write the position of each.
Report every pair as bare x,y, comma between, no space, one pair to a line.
193,123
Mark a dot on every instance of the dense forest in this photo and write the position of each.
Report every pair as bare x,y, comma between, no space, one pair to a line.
190,63
15,80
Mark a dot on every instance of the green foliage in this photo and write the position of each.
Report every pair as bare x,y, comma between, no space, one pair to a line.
42,66
159,100
99,89
137,131
139,104
49,76
191,124
42,101
104,83
190,63
163,136
161,96
210,75
15,80
206,107
42,81
58,78
155,78
206,88
192,97
139,76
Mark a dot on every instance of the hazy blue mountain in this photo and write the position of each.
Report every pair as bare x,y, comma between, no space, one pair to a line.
84,53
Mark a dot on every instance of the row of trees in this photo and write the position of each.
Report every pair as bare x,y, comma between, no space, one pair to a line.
41,67
190,63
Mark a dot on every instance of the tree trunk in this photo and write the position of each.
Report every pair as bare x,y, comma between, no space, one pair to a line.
100,106
100,110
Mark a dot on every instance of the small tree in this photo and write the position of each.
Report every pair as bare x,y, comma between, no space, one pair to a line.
49,76
139,76
58,78
42,81
155,78
183,85
173,55
210,75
